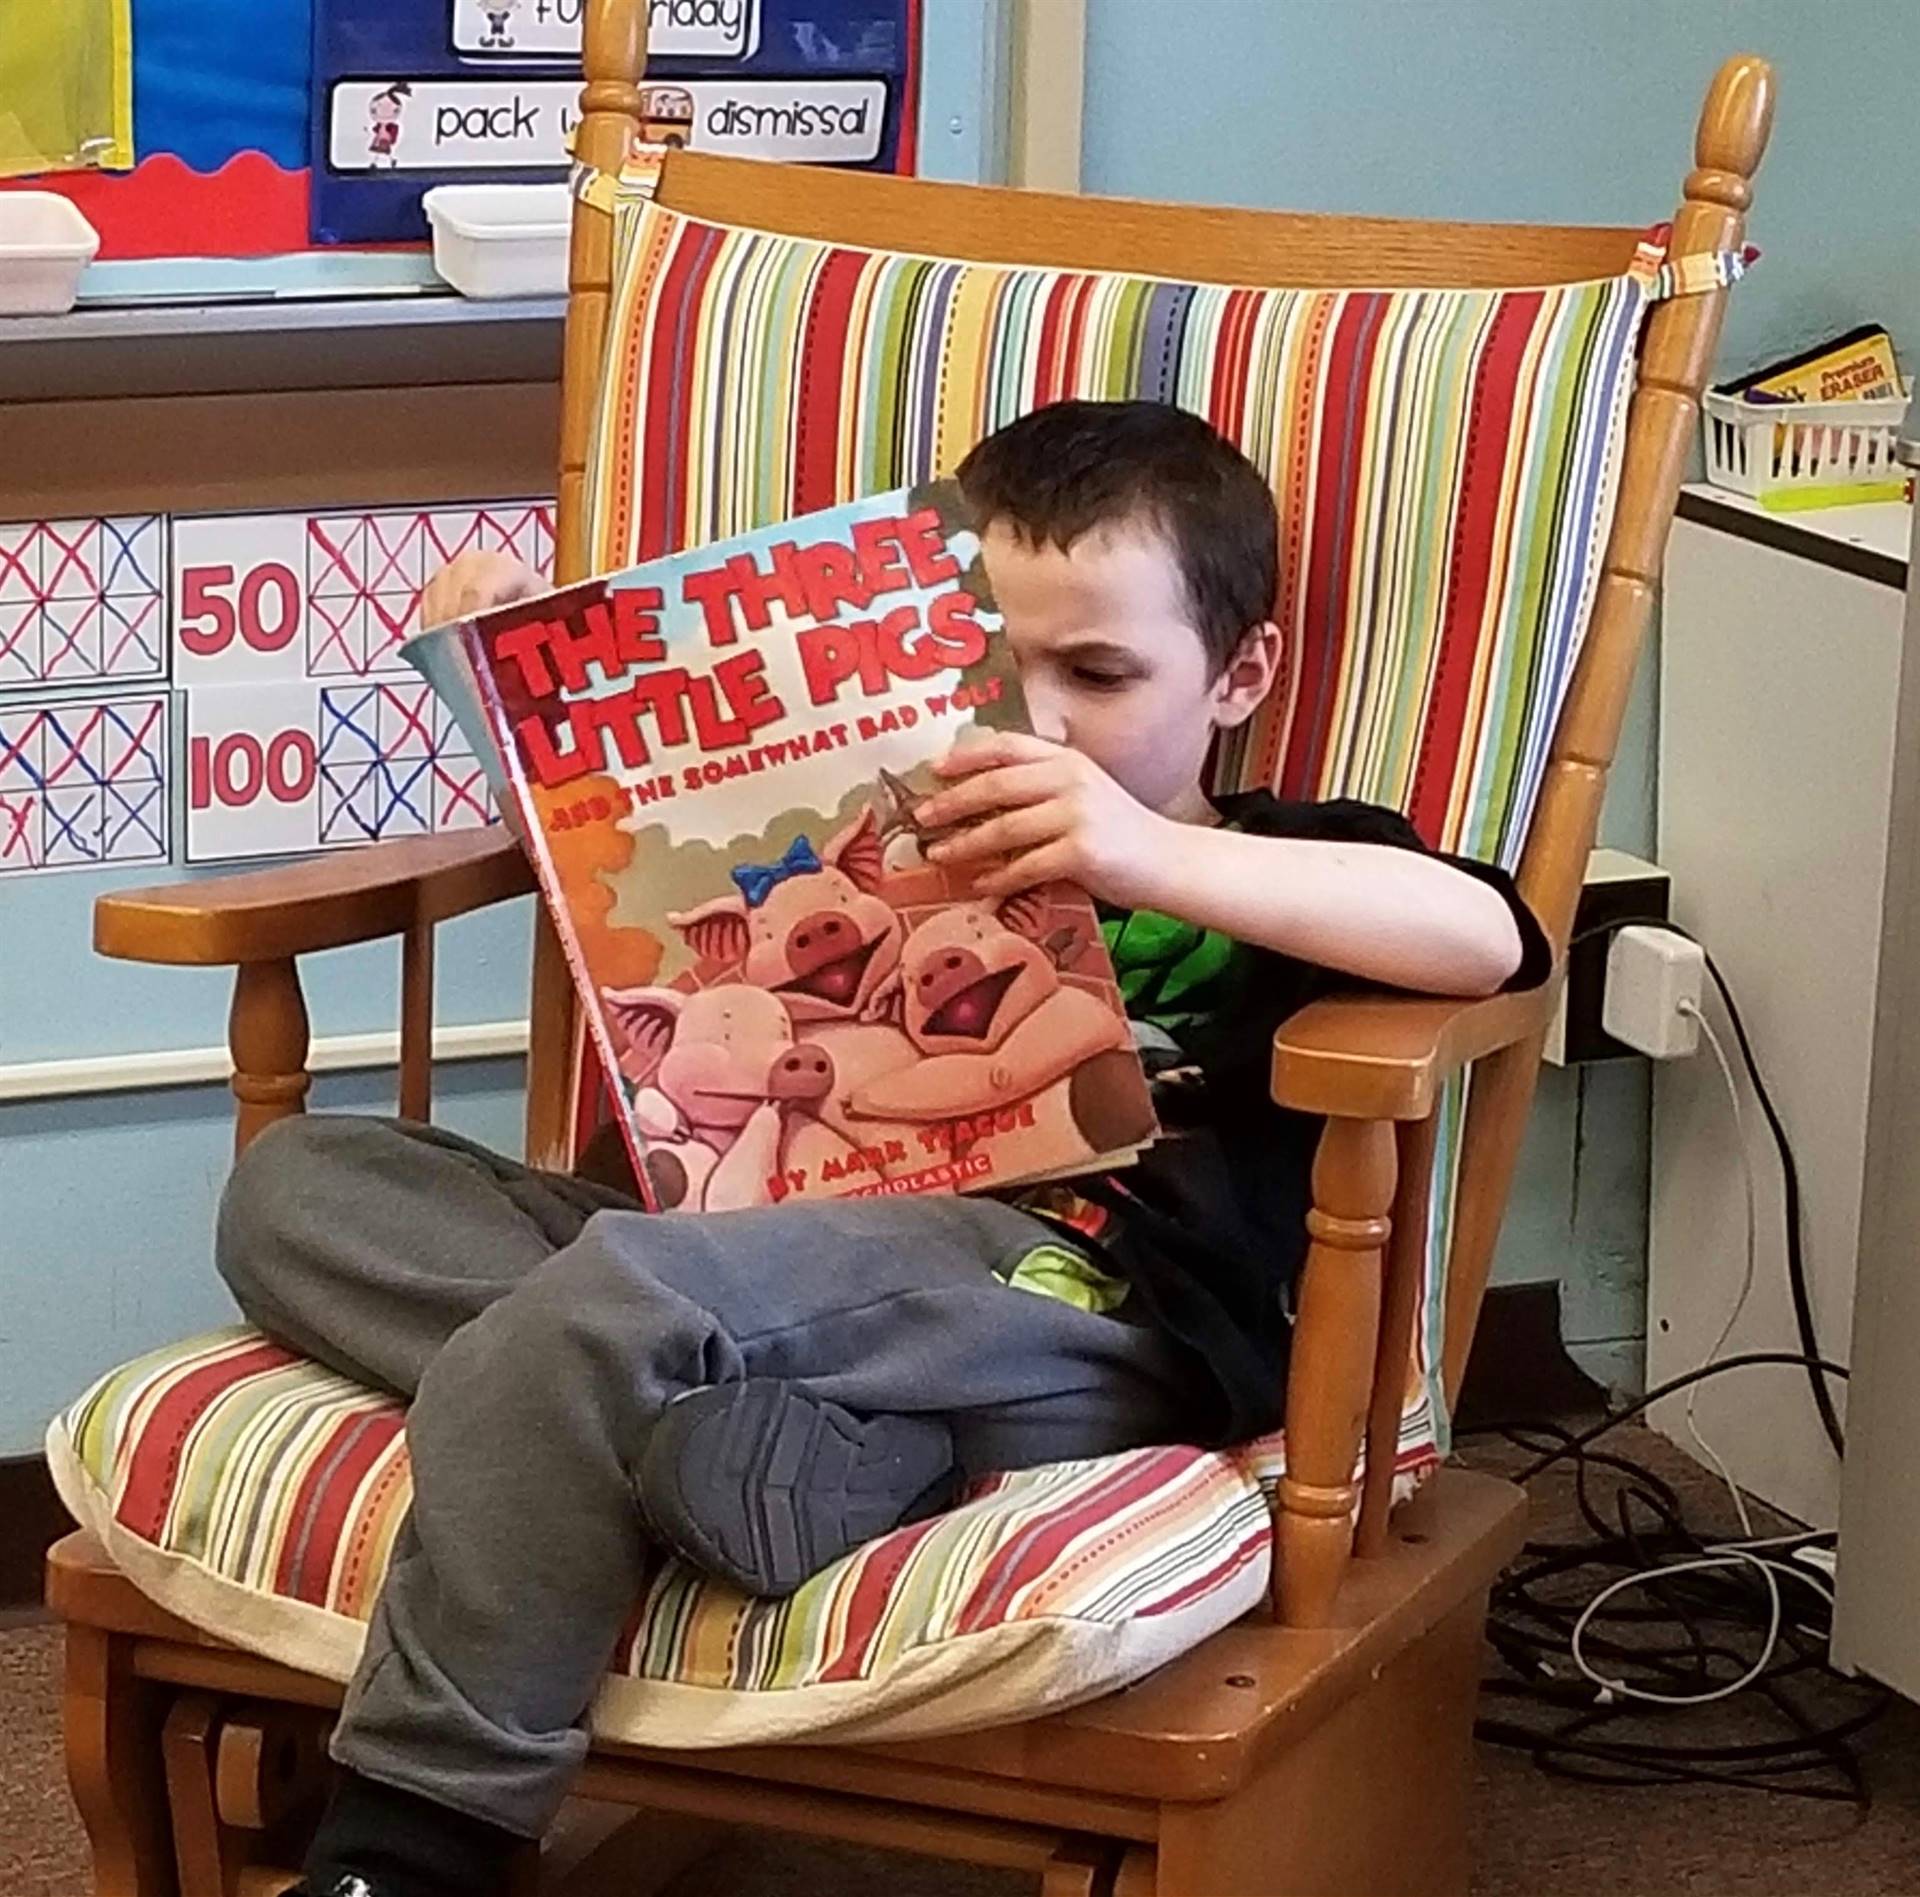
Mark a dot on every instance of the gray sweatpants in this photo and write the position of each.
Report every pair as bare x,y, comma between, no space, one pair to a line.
540,1324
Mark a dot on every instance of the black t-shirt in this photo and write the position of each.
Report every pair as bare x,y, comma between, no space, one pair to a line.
1209,1227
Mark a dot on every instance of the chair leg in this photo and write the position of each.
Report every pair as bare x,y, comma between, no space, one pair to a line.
114,1765
1373,1800
1083,1869
206,1852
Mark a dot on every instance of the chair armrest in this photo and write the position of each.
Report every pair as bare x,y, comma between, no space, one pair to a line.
1386,1057
361,895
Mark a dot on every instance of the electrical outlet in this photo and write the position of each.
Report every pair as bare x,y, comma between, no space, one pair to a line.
1654,977
1618,888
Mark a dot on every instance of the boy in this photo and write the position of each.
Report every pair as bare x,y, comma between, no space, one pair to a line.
586,1377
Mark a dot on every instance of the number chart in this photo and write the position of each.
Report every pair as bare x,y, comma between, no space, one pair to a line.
304,727
83,783
233,680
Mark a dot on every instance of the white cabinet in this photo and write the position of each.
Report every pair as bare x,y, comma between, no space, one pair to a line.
1779,676
1879,1576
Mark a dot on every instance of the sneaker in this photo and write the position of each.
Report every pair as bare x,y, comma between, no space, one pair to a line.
764,1484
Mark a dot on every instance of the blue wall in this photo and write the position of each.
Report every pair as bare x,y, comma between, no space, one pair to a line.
109,1203
1553,111
1545,110
107,1200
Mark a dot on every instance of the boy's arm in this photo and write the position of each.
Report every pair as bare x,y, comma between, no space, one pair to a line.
1377,911
1383,911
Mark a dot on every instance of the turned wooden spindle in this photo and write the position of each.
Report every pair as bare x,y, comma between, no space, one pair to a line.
1676,359
268,1036
1335,1329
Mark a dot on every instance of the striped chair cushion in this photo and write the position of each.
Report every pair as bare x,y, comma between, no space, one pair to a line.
257,1496
1444,462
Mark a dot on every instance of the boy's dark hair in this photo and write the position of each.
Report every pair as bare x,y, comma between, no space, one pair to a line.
1063,470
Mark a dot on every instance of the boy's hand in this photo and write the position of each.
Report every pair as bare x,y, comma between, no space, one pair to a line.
476,583
1048,812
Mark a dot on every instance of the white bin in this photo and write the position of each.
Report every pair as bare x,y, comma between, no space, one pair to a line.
1790,455
45,243
501,240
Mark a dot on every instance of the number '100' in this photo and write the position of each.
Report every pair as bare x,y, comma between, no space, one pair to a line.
235,769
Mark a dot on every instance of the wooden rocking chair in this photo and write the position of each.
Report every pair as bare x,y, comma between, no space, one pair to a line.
1324,1751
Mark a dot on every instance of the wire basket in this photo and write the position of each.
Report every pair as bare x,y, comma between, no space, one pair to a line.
1806,454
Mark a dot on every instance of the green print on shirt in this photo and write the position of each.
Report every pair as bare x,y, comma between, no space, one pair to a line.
1172,974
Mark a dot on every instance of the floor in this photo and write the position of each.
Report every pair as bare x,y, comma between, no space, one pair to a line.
1538,1836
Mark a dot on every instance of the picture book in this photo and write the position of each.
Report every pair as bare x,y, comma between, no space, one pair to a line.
715,760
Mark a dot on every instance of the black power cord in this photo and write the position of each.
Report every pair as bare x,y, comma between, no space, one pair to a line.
1715,1625
1789,1175
1698,1632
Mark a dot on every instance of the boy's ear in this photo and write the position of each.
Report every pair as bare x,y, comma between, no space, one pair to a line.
1247,677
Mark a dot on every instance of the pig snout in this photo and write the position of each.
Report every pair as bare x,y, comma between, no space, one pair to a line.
947,974
823,937
803,1073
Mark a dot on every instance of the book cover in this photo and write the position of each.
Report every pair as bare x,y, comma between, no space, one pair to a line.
715,760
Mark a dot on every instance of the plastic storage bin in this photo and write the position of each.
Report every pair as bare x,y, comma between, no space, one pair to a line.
45,243
500,240
1790,455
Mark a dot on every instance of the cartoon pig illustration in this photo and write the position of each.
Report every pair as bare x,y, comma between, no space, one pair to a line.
993,1024
813,931
726,1097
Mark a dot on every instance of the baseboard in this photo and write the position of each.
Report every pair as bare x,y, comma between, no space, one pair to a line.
1519,1366
31,1521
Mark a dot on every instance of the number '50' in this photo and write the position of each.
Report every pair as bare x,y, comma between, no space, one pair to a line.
266,613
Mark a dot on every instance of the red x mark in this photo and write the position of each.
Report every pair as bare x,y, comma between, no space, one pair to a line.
73,553
14,560
74,744
333,556
460,792
410,718
15,751
337,630
10,641
130,630
136,746
388,573
14,838
70,637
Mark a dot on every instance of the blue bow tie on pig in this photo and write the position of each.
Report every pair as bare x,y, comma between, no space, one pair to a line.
757,881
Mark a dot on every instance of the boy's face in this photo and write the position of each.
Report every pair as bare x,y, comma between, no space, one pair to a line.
1111,662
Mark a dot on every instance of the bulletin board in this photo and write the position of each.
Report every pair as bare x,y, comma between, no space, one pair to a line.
224,687
406,96
301,125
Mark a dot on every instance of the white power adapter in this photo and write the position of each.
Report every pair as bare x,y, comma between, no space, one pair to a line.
1655,984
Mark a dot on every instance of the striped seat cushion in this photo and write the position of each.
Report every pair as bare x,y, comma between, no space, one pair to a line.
1444,462
257,1496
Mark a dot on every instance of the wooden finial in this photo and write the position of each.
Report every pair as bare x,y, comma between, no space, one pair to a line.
613,53
1732,135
